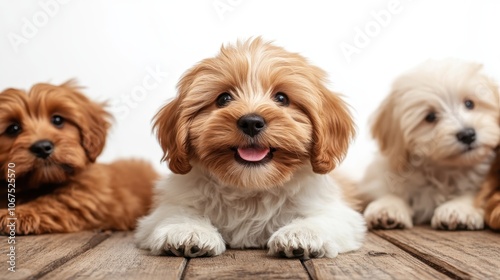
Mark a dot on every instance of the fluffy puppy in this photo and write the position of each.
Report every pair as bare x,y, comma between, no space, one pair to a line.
251,136
49,140
437,131
489,196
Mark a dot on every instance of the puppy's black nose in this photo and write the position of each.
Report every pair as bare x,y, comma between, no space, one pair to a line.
42,148
251,124
467,136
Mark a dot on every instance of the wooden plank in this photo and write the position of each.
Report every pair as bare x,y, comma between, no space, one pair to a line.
37,255
118,258
459,254
245,264
377,259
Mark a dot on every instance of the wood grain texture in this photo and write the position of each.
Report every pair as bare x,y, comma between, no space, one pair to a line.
459,254
245,264
40,254
420,253
118,258
377,259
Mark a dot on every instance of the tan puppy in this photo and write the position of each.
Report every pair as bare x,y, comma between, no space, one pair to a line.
251,136
437,131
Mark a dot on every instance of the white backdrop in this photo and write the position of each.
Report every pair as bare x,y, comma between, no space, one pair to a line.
132,53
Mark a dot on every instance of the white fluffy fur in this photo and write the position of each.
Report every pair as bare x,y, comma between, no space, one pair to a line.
423,173
308,212
412,197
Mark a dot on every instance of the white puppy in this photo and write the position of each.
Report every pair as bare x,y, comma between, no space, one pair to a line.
437,131
251,136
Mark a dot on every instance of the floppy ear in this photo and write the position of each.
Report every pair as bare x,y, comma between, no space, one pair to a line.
92,121
95,129
172,133
386,130
171,124
333,131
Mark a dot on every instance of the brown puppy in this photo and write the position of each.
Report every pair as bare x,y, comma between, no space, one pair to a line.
252,136
489,197
50,138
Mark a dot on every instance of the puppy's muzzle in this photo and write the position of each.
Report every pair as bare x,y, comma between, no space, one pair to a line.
42,149
251,124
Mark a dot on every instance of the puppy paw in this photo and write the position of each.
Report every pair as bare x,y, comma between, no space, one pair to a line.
6,225
300,242
457,216
184,240
22,222
382,215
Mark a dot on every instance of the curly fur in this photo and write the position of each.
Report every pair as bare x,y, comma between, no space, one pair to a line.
287,203
67,191
424,173
489,196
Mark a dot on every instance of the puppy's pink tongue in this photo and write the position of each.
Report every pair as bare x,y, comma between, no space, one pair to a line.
253,154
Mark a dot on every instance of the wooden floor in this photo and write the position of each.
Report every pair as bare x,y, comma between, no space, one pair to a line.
421,253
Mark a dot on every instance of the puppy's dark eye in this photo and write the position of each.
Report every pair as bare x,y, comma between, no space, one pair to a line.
13,129
431,117
281,98
223,99
469,104
57,121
